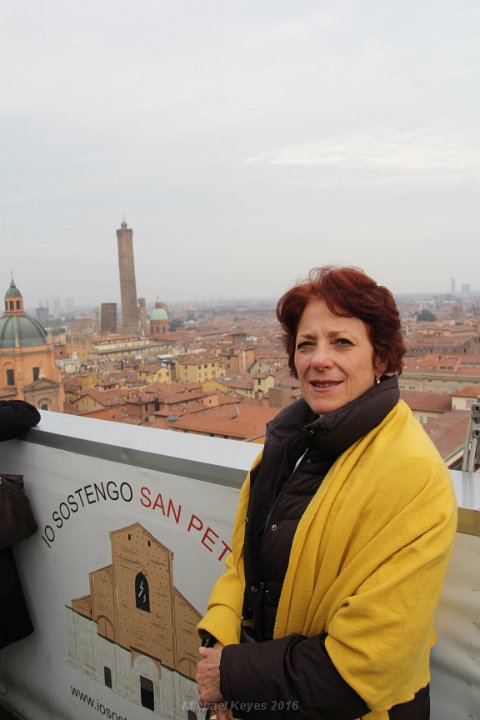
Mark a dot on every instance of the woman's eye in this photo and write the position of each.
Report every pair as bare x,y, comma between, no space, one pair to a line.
304,345
343,341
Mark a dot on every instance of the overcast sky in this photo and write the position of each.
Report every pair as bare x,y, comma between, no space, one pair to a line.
245,141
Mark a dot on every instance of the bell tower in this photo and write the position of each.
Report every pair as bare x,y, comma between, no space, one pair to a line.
128,289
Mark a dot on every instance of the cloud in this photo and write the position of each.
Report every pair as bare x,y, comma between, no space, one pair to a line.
383,152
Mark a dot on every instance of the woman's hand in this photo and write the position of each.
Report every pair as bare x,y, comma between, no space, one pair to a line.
220,712
208,675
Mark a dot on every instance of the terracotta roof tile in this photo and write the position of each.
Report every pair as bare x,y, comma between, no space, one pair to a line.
427,401
448,431
246,423
472,391
105,397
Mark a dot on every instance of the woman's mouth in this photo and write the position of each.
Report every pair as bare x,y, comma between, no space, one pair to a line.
324,383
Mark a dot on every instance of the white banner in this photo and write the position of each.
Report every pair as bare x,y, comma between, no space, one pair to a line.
123,562
116,578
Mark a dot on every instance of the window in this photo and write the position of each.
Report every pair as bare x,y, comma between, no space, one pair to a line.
142,595
10,377
147,697
36,373
17,304
107,674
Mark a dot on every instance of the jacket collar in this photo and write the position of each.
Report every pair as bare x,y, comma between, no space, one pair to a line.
332,433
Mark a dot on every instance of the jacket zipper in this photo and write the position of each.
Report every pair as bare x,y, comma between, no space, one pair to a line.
276,501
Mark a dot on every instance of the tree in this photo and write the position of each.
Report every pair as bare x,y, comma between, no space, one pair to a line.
426,316
174,324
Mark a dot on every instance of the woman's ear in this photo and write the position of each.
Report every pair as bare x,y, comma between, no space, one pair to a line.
380,367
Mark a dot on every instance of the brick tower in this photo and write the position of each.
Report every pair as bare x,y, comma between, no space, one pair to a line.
128,288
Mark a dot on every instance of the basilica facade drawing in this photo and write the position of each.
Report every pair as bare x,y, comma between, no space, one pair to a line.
135,632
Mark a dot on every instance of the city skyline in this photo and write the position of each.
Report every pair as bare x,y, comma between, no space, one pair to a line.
244,143
60,306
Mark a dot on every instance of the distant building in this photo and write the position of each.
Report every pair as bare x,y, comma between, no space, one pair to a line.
142,316
197,368
128,288
108,318
159,323
242,421
57,307
279,396
42,314
436,379
239,337
237,359
27,359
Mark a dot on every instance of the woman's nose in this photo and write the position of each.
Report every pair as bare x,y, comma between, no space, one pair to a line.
321,357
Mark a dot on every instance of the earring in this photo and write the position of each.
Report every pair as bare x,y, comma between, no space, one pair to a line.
377,380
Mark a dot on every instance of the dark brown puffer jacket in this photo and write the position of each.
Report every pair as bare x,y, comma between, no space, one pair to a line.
294,676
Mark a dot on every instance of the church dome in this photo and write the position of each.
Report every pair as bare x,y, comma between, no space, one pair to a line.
28,331
16,327
13,291
159,314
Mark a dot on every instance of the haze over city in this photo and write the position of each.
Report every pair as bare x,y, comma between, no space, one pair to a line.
243,142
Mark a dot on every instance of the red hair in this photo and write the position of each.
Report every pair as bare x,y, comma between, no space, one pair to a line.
348,292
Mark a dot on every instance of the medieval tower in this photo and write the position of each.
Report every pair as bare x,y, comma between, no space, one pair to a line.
128,288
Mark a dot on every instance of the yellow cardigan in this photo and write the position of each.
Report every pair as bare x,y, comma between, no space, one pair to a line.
366,566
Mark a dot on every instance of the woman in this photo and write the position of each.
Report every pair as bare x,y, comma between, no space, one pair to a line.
16,417
343,531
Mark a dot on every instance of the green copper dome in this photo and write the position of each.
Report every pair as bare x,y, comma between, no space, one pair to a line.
13,291
28,331
16,327
159,314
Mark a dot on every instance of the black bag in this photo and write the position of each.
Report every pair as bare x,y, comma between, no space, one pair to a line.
16,517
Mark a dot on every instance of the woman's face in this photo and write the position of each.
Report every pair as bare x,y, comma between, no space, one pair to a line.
334,358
